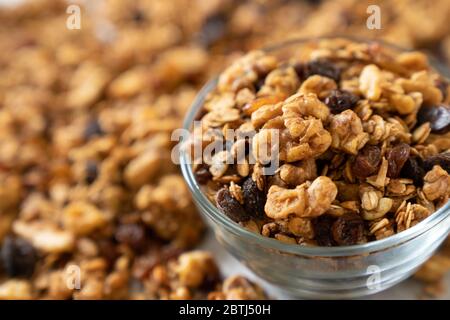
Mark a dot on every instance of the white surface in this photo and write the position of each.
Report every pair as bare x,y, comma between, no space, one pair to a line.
408,289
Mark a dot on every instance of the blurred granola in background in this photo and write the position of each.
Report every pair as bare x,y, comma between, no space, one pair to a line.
86,177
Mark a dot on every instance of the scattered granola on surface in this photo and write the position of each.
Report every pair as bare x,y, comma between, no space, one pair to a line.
363,142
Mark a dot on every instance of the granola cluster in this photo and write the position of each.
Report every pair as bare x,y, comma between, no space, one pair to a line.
362,139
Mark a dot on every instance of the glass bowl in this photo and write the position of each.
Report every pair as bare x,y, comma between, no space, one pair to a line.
320,272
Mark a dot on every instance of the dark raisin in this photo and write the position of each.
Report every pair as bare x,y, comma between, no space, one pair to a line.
322,230
323,68
230,206
339,101
438,117
131,234
203,175
92,129
91,172
213,29
300,70
259,83
441,159
108,250
413,169
367,161
348,230
18,256
254,199
396,158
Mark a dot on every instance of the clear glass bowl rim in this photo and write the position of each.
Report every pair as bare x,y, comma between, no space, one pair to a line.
269,243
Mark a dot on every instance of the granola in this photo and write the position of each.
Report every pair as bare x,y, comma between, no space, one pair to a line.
344,176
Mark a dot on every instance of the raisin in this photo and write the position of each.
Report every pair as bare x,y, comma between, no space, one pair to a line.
213,29
438,117
131,234
230,206
441,159
396,158
299,70
322,230
413,169
260,83
92,129
108,250
348,230
91,171
367,161
339,101
203,175
254,199
18,256
323,68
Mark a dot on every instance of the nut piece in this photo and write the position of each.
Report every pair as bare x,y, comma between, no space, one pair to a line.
347,132
82,218
304,105
321,193
45,237
265,113
319,85
194,267
437,184
384,205
303,201
239,288
266,145
281,81
301,227
142,169
15,290
282,202
370,82
295,175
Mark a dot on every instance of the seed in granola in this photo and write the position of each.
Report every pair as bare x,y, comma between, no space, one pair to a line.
340,100
18,256
91,171
323,68
92,129
254,199
438,116
348,230
396,158
441,159
202,174
322,229
131,234
414,169
230,206
367,161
